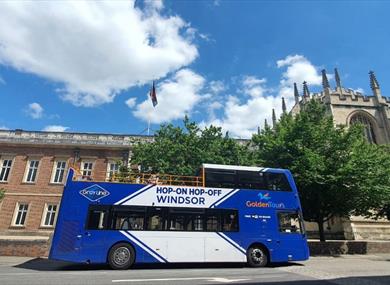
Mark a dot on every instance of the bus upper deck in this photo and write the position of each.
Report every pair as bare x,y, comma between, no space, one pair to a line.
211,175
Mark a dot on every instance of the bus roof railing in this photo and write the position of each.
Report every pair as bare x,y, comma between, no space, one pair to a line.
142,178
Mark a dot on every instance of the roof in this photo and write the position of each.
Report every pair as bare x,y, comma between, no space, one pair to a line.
232,167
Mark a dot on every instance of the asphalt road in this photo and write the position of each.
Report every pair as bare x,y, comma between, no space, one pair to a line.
343,270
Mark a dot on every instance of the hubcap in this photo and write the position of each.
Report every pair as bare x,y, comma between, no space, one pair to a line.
121,255
257,255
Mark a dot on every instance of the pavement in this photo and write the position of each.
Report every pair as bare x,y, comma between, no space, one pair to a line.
341,270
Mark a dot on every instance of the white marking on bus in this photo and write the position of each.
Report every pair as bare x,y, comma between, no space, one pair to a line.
142,246
131,195
227,197
232,241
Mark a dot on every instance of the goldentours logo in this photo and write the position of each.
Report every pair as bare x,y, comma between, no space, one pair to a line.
264,202
94,193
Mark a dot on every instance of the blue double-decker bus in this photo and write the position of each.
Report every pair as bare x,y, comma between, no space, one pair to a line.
227,214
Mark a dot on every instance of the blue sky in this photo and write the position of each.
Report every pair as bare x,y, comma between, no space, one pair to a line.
88,66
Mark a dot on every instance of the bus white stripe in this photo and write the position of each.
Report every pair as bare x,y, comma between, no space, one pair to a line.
131,195
232,241
227,197
142,246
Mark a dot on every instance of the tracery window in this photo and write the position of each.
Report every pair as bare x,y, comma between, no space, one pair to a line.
367,124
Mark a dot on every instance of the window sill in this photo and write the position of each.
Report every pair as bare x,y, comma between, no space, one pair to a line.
28,183
3,182
16,227
46,227
56,183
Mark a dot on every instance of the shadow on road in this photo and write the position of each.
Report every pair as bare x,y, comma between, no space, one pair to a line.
43,264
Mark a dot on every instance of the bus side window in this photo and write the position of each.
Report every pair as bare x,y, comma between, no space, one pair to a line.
156,219
220,178
213,221
251,180
229,221
277,182
128,218
185,219
289,222
97,219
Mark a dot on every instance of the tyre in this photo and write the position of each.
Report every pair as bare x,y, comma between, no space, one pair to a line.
257,256
121,256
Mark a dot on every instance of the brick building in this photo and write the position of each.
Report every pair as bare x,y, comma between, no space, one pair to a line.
33,167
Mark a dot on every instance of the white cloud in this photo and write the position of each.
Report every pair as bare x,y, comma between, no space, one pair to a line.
216,86
253,86
34,110
131,102
176,97
299,69
3,128
55,128
95,49
360,90
241,119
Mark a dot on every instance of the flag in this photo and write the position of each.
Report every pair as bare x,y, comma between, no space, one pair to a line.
153,95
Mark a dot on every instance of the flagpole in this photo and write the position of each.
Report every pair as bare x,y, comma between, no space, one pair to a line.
148,126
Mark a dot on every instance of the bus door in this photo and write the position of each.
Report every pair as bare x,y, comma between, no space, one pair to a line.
290,237
92,236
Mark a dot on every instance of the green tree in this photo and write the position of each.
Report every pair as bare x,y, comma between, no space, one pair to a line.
2,194
181,151
336,171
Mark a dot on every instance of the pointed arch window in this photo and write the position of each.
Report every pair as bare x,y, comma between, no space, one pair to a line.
369,132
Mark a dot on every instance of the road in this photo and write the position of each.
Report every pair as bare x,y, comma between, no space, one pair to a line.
343,270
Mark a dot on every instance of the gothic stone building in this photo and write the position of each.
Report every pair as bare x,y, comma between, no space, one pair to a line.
33,166
348,107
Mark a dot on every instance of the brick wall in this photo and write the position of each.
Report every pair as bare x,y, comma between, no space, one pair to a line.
33,248
42,190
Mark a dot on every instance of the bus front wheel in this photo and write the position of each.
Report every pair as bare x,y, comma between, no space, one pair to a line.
121,256
257,256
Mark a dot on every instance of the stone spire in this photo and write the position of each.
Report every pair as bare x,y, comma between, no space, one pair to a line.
296,93
273,118
337,78
325,82
266,124
306,93
284,108
375,85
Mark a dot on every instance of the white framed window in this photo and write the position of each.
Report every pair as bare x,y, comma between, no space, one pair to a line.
20,214
86,168
5,168
59,170
112,169
31,171
49,215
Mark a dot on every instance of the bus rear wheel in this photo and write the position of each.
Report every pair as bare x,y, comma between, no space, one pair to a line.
121,256
257,256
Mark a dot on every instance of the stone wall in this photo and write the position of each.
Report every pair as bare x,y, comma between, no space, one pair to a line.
348,247
21,247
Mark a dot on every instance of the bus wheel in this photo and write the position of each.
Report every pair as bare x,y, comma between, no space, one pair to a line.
257,256
121,256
